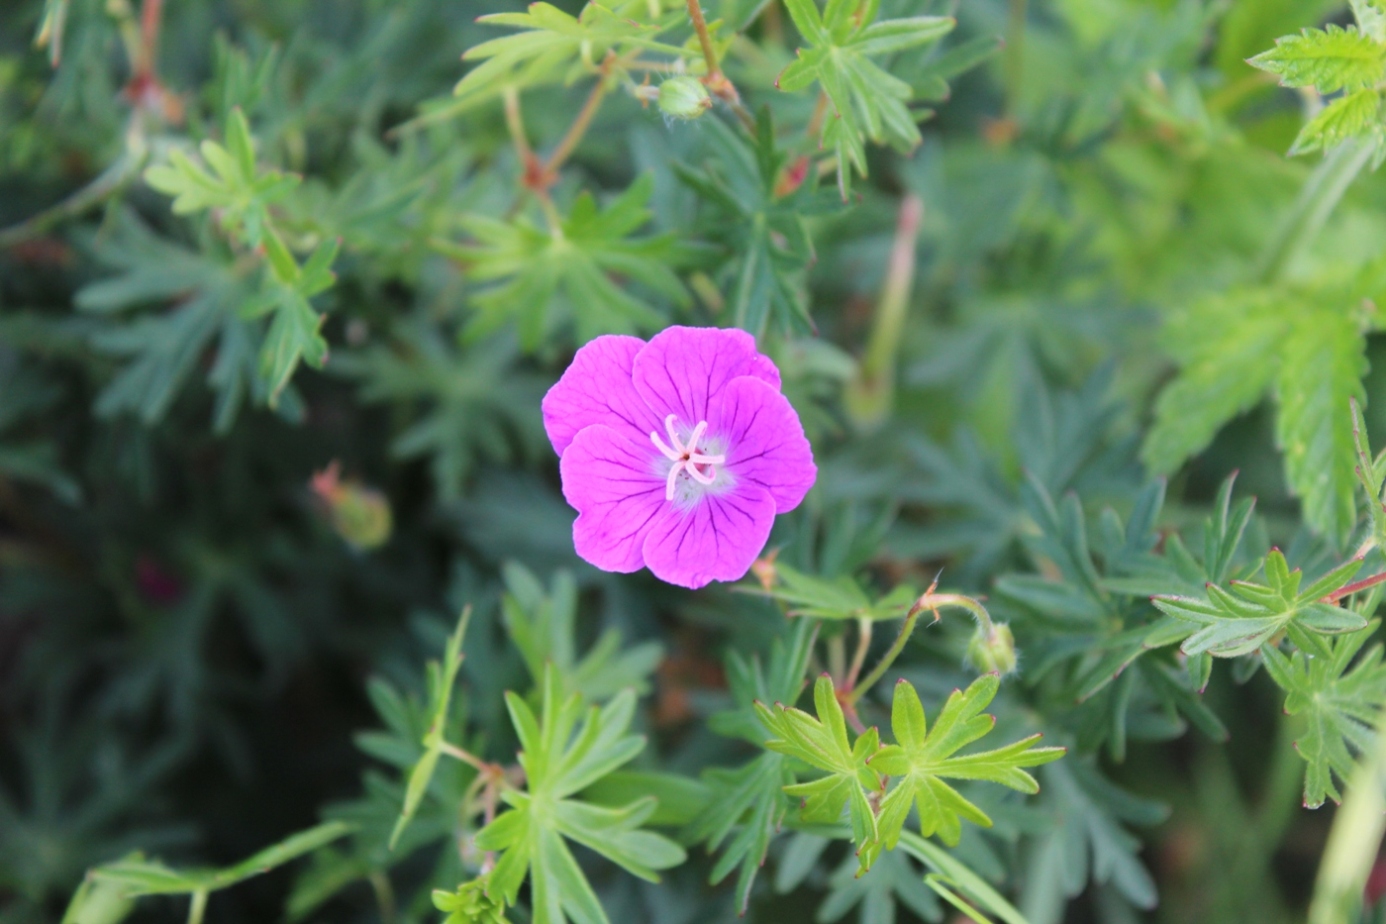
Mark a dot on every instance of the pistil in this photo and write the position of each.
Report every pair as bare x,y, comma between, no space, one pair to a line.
685,456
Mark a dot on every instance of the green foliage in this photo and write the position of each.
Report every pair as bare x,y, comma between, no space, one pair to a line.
1352,60
923,758
240,196
1309,351
470,905
868,102
531,835
1096,265
840,598
1241,618
822,743
1329,59
564,273
920,761
556,46
768,245
1340,696
441,678
542,628
747,804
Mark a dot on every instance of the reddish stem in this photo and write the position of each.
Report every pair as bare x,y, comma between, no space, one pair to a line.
1348,590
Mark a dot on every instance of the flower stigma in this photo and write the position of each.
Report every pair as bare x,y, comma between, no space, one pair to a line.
685,456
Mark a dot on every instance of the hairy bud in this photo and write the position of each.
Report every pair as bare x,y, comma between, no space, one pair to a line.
992,650
360,515
684,98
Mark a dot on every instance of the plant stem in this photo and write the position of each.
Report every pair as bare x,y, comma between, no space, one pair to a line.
1348,590
111,181
928,601
869,394
580,124
198,907
466,757
1015,54
820,111
1353,841
883,665
151,14
384,895
695,13
1317,200
514,121
859,658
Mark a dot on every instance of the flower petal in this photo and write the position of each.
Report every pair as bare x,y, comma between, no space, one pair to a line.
597,389
682,368
765,441
612,482
716,539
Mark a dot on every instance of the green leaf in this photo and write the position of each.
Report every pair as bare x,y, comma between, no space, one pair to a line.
1226,346
1329,60
463,406
867,101
822,743
544,277
442,677
838,599
137,877
1371,18
1321,370
1352,115
945,864
922,759
235,188
894,880
1239,620
1340,698
558,764
543,627
555,46
759,218
161,350
748,803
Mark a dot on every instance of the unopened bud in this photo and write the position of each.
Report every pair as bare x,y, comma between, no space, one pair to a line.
684,98
360,514
992,650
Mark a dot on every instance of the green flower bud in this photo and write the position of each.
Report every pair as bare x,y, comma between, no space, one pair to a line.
684,98
360,515
992,651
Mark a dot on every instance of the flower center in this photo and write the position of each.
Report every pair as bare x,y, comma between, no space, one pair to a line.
685,456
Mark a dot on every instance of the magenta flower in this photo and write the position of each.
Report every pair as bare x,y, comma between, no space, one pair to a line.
677,453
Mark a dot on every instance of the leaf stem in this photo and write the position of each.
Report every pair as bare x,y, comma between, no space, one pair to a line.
859,657
927,601
151,14
695,13
715,81
466,757
198,907
1348,590
1317,200
111,181
580,124
384,895
870,392
1015,54
820,112
906,630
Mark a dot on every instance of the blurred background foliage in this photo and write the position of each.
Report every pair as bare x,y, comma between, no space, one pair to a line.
242,498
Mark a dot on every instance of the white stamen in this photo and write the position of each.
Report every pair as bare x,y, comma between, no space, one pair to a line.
685,456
